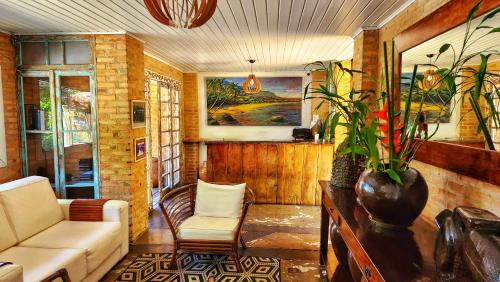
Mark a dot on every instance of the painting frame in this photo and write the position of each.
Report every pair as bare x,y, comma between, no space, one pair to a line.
139,149
278,104
138,113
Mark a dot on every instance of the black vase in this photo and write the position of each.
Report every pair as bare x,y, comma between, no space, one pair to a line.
391,204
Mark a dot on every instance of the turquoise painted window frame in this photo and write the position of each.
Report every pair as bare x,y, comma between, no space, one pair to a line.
54,73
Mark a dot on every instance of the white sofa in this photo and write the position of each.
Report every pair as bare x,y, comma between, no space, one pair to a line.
37,236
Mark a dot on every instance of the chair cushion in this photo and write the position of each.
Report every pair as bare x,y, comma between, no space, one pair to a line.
7,235
208,228
98,239
40,263
31,205
215,200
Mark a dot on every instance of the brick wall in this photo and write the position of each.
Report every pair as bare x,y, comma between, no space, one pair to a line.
446,189
190,127
13,169
139,192
120,78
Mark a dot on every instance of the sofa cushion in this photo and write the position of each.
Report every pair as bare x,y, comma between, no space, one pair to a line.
7,236
39,263
98,239
208,228
30,205
215,200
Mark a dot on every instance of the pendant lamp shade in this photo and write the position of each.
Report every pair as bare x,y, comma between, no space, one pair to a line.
251,85
181,13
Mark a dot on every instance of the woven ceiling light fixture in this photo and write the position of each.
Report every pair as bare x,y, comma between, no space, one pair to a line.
251,85
181,13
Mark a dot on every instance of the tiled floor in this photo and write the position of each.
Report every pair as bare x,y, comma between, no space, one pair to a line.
288,232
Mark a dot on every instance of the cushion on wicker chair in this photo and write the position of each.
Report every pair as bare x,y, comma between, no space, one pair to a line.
208,228
213,200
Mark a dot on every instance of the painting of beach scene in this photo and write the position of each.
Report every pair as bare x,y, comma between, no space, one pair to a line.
437,103
279,103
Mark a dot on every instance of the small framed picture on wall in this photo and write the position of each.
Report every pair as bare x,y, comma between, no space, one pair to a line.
138,113
139,148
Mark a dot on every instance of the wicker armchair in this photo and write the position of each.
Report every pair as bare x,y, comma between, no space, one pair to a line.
179,205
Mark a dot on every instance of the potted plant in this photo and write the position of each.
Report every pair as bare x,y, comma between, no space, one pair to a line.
392,192
349,111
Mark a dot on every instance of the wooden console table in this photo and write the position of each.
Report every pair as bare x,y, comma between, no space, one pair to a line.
380,254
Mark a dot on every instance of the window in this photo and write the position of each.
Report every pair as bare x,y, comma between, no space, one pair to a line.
54,52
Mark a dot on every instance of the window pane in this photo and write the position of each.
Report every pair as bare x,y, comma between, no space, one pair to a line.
40,155
75,96
34,53
76,52
55,53
164,96
37,103
78,163
176,96
177,177
165,138
175,110
176,124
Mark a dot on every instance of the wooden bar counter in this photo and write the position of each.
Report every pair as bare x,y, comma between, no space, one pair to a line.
278,172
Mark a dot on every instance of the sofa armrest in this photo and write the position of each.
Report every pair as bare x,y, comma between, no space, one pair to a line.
11,273
113,210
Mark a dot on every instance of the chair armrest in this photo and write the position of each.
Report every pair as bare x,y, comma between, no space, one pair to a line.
113,210
11,273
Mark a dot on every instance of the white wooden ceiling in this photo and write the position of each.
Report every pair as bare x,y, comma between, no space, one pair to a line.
479,42
282,35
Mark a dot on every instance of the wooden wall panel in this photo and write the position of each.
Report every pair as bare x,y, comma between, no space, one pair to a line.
310,174
325,163
272,174
234,163
248,167
279,173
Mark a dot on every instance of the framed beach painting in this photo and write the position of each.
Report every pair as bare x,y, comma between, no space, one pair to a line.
279,103
139,148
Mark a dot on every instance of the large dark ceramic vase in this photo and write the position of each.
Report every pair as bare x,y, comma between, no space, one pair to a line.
391,204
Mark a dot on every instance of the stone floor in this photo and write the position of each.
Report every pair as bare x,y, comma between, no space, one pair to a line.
285,231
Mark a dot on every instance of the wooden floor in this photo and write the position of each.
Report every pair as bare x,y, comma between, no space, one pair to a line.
285,231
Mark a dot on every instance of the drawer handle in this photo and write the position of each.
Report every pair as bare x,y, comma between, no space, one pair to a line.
368,273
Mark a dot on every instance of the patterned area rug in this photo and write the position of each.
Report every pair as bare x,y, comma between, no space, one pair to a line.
198,267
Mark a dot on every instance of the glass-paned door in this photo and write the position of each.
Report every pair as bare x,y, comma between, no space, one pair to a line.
176,136
165,146
59,130
169,132
76,132
38,119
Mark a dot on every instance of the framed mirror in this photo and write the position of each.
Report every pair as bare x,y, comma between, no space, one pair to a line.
457,144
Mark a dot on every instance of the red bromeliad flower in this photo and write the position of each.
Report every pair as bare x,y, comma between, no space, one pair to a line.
384,127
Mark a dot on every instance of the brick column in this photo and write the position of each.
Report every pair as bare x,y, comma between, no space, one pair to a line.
13,169
190,127
366,57
120,78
